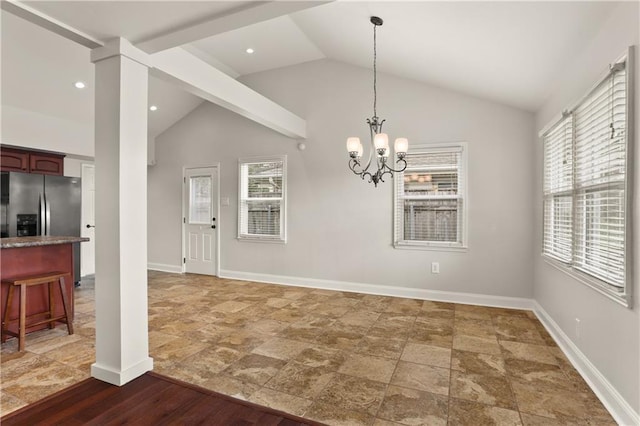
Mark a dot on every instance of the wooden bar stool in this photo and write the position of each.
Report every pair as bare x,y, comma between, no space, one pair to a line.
24,282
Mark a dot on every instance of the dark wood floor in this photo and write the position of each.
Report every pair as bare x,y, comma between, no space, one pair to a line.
149,399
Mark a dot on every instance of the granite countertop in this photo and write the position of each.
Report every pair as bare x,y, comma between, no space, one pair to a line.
16,242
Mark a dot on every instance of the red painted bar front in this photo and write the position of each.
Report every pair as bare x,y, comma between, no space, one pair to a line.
21,261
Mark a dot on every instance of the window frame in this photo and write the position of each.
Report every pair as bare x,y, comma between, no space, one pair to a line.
282,237
463,187
623,297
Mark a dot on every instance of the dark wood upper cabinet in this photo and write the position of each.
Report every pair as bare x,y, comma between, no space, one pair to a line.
18,160
46,164
13,160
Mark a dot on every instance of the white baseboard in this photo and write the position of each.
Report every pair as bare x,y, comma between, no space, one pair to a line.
162,267
382,290
121,377
619,408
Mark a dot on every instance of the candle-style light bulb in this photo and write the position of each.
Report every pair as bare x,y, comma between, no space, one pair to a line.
352,144
381,140
401,145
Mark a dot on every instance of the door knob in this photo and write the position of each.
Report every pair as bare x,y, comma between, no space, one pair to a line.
90,226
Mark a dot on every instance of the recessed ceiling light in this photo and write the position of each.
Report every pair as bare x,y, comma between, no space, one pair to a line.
79,85
249,50
153,108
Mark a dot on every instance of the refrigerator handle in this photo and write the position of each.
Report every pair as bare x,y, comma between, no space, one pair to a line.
47,215
43,214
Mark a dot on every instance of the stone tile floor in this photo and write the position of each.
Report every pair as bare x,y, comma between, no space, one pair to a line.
335,357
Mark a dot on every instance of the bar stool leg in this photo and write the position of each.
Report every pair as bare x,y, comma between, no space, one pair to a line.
65,303
23,316
7,310
52,305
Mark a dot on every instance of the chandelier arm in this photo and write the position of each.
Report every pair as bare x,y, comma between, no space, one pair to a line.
372,148
404,166
389,172
353,164
368,162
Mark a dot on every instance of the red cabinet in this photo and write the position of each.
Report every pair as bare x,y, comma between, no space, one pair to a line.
18,160
13,160
46,164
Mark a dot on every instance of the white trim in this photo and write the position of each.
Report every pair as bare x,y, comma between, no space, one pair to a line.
630,173
83,220
383,290
432,247
463,172
619,408
47,22
120,47
222,23
121,377
163,267
282,238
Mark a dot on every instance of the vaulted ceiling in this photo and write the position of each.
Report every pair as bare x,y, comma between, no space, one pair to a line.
503,51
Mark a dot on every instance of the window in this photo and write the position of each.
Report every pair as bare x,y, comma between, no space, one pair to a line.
430,198
586,198
200,200
262,207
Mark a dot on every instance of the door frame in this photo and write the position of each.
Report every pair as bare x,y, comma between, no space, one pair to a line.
216,204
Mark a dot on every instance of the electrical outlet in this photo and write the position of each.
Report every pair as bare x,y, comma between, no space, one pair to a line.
435,268
577,328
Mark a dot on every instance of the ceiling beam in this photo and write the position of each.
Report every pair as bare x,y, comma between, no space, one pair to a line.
238,18
189,72
47,22
197,77
198,53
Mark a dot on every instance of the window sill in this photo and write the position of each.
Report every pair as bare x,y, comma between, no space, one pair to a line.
594,283
430,247
262,240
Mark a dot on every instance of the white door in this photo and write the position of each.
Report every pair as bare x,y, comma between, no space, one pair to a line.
88,249
200,220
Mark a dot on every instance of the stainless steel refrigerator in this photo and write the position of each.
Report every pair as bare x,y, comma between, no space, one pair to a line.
34,204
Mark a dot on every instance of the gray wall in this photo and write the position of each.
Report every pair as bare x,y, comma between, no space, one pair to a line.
339,227
610,333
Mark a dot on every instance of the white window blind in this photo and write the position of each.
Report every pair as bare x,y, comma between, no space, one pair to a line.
261,210
585,185
558,190
430,198
200,200
600,170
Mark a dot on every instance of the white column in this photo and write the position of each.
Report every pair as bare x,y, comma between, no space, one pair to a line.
122,339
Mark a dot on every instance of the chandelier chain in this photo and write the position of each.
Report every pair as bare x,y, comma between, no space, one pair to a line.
375,91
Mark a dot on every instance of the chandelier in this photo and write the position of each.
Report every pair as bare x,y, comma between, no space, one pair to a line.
379,140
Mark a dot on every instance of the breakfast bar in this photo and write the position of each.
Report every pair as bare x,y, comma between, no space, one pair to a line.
33,256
